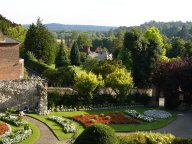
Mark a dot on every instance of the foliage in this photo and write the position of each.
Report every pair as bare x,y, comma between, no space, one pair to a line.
17,137
106,67
182,141
40,41
36,66
177,49
63,76
83,40
90,64
146,138
87,83
120,81
61,59
63,100
97,134
12,119
172,76
146,51
75,55
138,98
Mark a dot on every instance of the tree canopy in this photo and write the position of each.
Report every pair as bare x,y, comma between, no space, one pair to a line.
40,42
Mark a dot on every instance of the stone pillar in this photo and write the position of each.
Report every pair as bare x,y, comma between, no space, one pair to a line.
42,105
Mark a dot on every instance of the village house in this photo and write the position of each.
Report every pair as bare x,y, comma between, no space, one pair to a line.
97,53
11,66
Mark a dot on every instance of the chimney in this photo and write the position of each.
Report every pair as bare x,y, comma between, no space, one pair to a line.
1,36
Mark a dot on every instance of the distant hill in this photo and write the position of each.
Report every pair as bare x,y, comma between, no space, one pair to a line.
61,27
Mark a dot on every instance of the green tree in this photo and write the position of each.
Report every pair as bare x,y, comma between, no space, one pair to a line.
75,55
136,44
178,48
118,43
120,81
146,51
40,41
83,40
61,58
87,83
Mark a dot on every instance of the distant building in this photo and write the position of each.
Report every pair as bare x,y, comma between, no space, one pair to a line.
11,66
101,55
97,53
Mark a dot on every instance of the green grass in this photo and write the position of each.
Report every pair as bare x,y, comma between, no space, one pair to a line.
117,127
57,129
35,136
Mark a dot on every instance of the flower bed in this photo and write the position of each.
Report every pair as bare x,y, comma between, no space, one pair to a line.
111,118
68,127
17,137
158,114
5,129
137,115
12,119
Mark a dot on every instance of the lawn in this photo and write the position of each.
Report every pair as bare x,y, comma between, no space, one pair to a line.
35,135
118,127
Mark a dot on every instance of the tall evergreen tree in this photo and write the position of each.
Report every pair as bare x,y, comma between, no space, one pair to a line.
40,41
61,59
75,54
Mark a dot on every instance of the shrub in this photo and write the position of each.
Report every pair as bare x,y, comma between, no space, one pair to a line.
97,134
87,84
146,138
138,98
36,66
182,141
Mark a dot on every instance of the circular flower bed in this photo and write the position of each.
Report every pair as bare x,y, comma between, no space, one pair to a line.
158,114
5,129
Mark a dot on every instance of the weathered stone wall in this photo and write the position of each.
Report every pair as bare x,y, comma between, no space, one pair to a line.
62,90
23,93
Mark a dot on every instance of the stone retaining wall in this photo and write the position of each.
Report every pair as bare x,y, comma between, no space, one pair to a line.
23,93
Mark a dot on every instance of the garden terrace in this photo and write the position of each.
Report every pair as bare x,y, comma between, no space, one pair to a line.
143,126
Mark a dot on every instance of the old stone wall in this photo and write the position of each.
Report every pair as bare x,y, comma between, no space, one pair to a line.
23,93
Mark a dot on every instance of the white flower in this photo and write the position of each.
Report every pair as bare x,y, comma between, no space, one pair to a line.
137,115
66,124
158,114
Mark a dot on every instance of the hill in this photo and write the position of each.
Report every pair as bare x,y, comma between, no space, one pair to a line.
63,27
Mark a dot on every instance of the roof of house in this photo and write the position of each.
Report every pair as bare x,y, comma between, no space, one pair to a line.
5,39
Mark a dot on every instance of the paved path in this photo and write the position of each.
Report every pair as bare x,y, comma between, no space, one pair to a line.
46,137
181,127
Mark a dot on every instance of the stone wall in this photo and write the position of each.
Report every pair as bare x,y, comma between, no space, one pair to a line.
23,93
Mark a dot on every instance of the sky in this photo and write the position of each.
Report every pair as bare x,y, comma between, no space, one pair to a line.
96,12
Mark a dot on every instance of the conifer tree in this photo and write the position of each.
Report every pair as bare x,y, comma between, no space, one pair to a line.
75,54
40,42
61,58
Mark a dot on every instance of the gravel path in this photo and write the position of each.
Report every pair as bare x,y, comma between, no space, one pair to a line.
47,136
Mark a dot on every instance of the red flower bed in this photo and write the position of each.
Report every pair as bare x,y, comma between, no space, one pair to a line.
3,128
111,118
